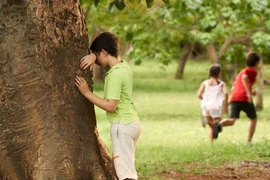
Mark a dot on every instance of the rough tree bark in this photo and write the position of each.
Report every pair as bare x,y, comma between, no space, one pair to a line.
47,129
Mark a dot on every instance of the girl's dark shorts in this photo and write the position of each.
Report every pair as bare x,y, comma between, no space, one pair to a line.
237,107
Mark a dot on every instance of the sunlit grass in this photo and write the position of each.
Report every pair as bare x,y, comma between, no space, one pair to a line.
171,129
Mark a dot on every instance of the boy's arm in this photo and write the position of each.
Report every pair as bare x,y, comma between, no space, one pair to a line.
107,105
88,61
245,83
200,91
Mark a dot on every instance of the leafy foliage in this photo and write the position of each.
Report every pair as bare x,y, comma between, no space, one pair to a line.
120,4
159,32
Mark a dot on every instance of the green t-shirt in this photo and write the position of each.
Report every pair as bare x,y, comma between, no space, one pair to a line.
118,86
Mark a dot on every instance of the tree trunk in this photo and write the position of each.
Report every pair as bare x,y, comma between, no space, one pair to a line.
47,129
212,54
182,61
260,87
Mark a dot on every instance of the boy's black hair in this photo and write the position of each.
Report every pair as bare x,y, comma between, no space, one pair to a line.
252,59
214,70
108,42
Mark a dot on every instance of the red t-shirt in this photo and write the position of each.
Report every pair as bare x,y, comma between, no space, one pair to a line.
239,92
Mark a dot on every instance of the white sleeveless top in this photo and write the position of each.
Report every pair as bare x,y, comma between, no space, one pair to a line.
213,96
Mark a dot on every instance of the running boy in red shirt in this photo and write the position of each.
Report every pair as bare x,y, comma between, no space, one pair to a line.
241,98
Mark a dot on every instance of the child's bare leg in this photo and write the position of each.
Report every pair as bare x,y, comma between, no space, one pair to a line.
210,134
210,122
252,127
227,122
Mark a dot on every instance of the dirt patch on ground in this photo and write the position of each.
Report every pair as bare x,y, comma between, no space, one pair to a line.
247,170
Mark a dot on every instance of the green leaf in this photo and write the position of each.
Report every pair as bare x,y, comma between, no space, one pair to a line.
166,1
193,4
129,36
110,7
119,4
135,2
149,3
236,1
96,2
83,1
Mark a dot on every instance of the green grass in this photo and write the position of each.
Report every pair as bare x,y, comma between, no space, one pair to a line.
172,134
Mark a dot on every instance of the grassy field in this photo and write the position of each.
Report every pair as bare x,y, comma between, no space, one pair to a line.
172,135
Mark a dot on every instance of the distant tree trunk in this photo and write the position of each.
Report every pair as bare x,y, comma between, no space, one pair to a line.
215,56
260,86
47,129
182,61
212,54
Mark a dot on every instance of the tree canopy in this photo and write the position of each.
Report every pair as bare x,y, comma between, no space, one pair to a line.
159,28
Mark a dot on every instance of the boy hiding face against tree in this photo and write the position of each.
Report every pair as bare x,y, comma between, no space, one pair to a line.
118,102
241,98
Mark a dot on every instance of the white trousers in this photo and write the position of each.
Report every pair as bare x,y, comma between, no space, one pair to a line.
124,138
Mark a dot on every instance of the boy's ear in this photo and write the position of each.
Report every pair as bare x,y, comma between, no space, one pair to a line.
104,52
